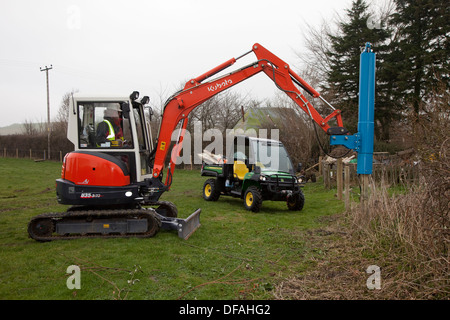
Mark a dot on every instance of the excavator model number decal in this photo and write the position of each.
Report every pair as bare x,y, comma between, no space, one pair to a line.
88,195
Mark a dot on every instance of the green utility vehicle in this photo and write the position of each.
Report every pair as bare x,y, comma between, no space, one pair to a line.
254,170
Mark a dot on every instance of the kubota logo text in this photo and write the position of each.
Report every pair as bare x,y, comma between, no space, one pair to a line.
219,85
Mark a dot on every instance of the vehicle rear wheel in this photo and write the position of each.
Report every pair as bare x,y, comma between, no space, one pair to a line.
211,191
296,202
253,199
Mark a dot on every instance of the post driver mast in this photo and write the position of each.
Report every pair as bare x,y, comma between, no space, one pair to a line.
362,141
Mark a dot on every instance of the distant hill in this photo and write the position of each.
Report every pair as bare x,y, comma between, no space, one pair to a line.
18,128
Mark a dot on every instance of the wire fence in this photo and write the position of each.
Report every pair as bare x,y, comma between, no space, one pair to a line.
392,174
344,176
37,155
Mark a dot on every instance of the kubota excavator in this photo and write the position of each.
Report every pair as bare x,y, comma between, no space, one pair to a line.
114,178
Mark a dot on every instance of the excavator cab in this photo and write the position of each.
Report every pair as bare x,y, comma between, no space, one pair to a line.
113,126
111,157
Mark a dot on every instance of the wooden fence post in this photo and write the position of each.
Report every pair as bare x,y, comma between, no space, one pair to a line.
339,178
347,186
326,176
320,165
365,194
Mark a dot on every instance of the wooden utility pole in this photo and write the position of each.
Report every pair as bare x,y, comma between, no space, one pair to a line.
48,108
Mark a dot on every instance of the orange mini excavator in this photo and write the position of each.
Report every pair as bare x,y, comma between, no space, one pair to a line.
114,178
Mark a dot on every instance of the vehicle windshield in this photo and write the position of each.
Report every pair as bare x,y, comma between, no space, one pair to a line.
271,156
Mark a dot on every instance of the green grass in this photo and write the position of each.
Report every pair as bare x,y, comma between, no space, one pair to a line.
235,254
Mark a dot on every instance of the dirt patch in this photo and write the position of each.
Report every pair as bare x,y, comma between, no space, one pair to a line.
10,196
46,190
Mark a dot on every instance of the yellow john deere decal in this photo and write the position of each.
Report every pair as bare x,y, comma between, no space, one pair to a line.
162,146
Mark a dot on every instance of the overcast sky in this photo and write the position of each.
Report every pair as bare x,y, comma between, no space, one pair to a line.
115,47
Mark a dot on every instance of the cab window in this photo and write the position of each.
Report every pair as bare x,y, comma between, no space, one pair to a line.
103,125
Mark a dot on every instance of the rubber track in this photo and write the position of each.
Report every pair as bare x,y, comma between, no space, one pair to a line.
95,214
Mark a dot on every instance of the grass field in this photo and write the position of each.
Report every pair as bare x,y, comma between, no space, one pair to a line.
235,254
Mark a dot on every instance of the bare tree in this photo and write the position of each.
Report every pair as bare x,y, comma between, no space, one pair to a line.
315,57
34,128
29,128
59,126
296,130
221,112
62,116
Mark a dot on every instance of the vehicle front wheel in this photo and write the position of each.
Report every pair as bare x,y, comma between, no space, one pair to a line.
296,202
211,191
253,199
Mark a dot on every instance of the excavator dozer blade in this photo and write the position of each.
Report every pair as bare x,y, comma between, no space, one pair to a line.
185,227
190,225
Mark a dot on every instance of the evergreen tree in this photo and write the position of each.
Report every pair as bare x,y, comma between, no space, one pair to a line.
422,48
344,57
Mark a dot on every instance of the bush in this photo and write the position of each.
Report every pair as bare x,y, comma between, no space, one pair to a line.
411,231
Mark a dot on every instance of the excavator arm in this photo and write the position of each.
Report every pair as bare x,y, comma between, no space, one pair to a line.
196,91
